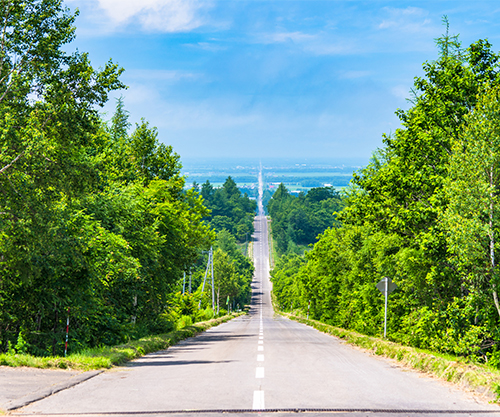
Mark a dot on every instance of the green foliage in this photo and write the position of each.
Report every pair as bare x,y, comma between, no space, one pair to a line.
184,321
108,356
229,209
423,212
92,218
233,271
297,221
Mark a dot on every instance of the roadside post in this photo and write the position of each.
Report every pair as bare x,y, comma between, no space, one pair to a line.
386,286
67,332
308,306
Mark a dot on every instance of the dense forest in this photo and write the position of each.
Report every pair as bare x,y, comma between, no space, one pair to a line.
229,209
424,212
298,220
95,220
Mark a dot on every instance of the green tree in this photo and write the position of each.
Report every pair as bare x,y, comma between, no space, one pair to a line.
473,213
48,117
225,277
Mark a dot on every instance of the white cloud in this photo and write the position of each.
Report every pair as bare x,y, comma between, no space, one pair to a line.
152,15
206,46
317,44
409,19
289,36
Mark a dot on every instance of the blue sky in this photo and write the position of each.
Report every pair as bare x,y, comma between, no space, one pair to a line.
275,78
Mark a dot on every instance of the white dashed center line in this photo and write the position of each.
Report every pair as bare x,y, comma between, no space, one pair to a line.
258,400
260,348
260,358
259,372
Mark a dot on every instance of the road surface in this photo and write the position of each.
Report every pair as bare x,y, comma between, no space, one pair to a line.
261,362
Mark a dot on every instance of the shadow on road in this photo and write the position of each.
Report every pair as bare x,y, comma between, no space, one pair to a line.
166,362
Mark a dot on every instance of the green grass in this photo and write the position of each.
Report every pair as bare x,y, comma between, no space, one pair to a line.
273,256
108,356
476,377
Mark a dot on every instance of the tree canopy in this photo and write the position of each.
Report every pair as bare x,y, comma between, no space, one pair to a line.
423,212
94,220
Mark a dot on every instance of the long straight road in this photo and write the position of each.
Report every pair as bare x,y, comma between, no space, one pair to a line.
260,361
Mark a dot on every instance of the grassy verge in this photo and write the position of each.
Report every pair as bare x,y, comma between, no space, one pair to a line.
272,251
107,356
479,378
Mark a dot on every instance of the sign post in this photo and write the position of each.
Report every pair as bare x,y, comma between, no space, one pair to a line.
386,286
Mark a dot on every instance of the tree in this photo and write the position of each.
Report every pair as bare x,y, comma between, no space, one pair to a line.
119,122
473,213
424,212
48,118
225,277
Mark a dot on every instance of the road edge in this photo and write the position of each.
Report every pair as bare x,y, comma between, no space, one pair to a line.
470,377
46,392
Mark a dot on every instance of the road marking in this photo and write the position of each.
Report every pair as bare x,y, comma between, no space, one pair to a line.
258,400
260,358
261,342
260,348
261,337
259,372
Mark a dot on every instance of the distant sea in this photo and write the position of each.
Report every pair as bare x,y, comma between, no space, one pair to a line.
297,174
228,163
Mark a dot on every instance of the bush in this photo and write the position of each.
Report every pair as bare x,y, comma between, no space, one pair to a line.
184,321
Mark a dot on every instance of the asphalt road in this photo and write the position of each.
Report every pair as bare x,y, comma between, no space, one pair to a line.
264,363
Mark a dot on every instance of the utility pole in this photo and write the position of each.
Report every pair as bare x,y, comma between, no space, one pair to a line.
205,278
213,287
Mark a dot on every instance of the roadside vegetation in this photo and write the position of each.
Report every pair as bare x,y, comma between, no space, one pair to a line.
229,209
298,220
424,212
96,225
108,356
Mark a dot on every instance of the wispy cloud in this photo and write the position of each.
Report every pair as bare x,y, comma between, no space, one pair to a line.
409,19
288,37
206,46
152,15
316,44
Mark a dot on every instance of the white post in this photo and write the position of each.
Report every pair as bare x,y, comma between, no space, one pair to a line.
184,283
385,313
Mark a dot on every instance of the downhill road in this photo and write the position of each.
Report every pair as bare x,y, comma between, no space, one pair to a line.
261,362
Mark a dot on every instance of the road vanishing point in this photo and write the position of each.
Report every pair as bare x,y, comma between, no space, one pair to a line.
261,364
